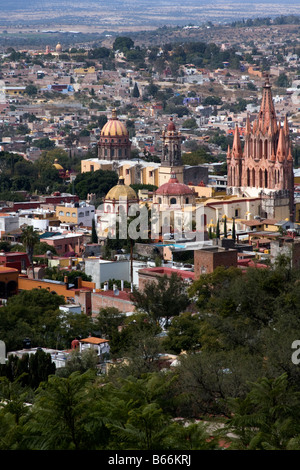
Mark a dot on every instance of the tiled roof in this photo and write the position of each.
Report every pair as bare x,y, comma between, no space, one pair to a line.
93,340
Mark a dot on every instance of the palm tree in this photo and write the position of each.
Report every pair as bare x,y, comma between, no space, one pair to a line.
29,239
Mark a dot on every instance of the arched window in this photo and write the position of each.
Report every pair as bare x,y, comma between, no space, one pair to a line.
159,200
266,178
266,149
260,148
173,200
248,177
260,179
253,178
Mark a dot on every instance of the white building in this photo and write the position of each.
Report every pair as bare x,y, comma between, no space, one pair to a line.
100,345
8,223
103,270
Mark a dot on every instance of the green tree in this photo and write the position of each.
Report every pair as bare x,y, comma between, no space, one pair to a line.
268,418
31,90
108,320
61,415
156,299
123,43
14,411
184,333
94,237
30,238
225,226
98,182
40,367
233,234
34,314
138,417
282,81
135,91
218,230
212,101
190,123
81,362
102,120
44,143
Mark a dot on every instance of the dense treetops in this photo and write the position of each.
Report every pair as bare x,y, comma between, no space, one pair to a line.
233,333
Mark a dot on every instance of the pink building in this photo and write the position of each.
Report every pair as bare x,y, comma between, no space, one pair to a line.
66,243
265,166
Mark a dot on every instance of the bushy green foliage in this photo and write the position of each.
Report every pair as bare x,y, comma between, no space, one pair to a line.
98,182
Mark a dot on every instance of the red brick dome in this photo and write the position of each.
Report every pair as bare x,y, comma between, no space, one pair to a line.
171,126
174,188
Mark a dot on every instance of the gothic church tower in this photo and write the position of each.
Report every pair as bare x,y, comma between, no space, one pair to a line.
265,167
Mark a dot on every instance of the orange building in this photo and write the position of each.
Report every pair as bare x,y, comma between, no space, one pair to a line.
8,282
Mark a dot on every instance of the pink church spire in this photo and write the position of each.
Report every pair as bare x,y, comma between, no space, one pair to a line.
237,146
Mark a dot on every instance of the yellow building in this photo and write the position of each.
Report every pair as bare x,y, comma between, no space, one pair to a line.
133,172
79,214
14,90
84,71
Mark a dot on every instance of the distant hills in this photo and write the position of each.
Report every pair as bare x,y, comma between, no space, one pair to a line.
133,15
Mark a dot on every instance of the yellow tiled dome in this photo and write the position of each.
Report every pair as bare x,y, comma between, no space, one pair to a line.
57,165
114,127
121,190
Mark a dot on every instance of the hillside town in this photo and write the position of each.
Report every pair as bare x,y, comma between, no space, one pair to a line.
125,169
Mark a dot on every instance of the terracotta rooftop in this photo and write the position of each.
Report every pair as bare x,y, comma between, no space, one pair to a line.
93,340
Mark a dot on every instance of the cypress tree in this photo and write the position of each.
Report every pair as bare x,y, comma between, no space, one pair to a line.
94,238
225,227
218,230
233,231
135,92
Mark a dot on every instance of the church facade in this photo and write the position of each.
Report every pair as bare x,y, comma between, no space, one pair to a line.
264,168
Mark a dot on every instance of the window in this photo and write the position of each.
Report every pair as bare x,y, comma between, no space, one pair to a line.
68,214
60,213
73,214
87,213
81,214
173,200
